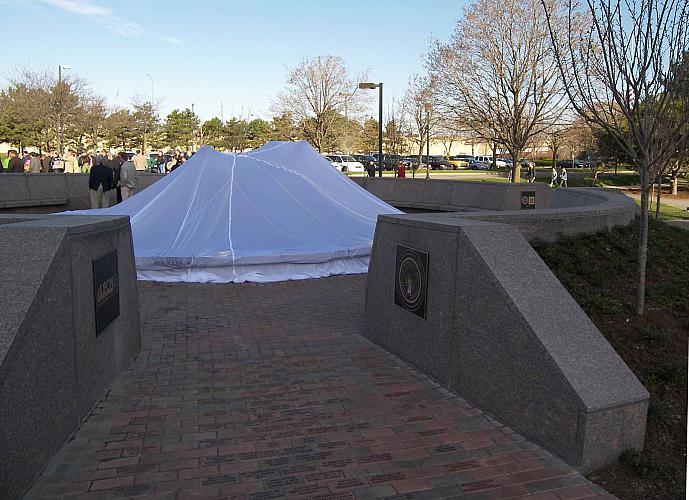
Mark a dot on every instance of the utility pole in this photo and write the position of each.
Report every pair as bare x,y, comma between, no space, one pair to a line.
60,131
428,140
371,86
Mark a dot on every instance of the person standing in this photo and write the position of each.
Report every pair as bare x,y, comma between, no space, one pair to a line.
127,177
563,177
47,162
71,163
400,170
160,163
553,176
116,166
35,164
26,161
15,165
139,161
100,183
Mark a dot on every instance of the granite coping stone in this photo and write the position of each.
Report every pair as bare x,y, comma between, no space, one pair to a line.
563,328
21,281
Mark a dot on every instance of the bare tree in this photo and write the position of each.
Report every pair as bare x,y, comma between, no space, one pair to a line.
498,74
316,92
622,76
423,116
395,130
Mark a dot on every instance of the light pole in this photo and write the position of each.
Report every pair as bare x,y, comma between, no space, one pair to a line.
59,111
428,139
146,123
371,86
152,99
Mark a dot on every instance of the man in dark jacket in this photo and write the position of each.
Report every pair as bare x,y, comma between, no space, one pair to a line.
15,165
100,183
116,167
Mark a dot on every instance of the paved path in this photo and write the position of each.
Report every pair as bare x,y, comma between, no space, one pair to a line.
268,391
681,203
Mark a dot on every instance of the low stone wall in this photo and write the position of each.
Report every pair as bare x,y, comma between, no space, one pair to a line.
49,193
555,212
470,303
449,195
551,214
53,366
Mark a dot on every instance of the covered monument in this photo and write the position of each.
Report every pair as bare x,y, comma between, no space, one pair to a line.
276,213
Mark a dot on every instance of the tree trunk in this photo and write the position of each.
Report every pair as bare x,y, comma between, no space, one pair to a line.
643,242
516,168
674,185
517,176
658,197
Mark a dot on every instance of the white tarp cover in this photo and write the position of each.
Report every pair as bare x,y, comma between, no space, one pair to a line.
276,213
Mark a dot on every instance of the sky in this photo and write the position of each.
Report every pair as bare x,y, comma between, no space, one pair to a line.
205,53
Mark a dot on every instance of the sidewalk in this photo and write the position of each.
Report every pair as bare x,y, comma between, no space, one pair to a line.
270,391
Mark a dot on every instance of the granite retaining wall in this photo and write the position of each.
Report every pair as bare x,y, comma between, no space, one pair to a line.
470,303
53,366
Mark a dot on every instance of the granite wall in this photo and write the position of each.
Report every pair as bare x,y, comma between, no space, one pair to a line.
555,212
500,330
53,367
552,214
48,193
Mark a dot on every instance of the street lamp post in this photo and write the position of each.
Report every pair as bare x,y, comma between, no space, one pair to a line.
152,99
379,86
428,139
146,123
59,111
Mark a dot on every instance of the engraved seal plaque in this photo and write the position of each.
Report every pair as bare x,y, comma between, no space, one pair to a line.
528,199
411,280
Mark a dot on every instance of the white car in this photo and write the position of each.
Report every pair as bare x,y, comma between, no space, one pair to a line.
345,163
489,159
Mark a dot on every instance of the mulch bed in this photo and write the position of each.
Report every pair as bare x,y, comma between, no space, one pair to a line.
600,273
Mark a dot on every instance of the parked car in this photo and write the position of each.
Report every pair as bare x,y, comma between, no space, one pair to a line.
389,161
572,164
411,162
437,162
480,165
499,163
368,161
459,161
345,163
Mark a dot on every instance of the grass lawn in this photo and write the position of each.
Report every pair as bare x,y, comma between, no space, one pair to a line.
600,272
668,212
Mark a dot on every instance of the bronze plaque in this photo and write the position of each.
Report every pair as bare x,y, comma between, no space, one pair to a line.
411,280
106,290
528,200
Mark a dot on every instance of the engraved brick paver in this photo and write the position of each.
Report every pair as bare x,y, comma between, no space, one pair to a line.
270,391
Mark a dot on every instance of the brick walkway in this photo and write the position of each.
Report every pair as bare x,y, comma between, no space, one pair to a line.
269,391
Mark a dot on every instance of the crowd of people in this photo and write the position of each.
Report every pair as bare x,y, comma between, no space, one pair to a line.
106,170
73,163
